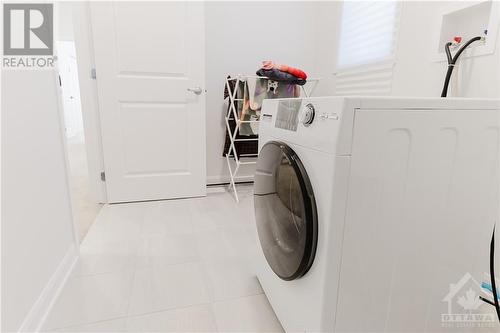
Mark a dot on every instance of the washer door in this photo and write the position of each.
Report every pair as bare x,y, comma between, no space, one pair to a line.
285,211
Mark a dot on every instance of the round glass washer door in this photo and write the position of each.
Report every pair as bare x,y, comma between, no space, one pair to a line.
285,211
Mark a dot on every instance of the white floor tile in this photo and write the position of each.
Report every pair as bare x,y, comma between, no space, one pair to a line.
106,257
243,239
118,222
247,314
109,326
168,218
168,287
215,211
202,223
231,279
90,299
125,212
213,246
191,319
167,250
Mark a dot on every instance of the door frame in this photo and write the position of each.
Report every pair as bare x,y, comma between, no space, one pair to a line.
82,30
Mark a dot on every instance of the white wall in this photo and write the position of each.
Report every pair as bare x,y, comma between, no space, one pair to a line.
327,34
37,230
63,20
415,72
239,35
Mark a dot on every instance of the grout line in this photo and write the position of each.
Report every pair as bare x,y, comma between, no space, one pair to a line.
54,329
169,309
134,274
81,276
237,297
137,255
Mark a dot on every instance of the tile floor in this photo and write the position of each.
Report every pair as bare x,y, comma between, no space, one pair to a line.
167,266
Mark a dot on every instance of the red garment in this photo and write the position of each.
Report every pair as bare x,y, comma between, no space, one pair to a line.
285,68
294,71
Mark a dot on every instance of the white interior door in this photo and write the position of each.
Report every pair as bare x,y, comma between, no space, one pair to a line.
150,76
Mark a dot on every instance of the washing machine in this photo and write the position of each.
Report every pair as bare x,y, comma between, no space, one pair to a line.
376,214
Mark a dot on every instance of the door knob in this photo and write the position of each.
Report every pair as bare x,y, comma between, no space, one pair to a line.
195,90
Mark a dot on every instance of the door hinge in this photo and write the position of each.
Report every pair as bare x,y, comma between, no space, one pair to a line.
93,73
60,82
103,176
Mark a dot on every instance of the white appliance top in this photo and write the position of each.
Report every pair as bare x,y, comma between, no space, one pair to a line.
326,123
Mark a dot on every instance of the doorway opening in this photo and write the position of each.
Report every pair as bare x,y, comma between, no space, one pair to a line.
85,207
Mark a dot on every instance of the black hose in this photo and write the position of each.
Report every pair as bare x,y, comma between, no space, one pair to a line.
448,52
447,80
492,275
453,61
449,71
472,40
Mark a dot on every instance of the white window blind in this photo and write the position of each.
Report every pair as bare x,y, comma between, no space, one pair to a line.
367,45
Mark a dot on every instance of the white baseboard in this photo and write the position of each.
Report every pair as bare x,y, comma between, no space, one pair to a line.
38,313
211,180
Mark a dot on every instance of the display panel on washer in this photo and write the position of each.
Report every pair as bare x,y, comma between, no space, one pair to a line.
285,211
287,116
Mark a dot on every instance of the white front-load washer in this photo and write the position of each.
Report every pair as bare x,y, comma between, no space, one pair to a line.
368,210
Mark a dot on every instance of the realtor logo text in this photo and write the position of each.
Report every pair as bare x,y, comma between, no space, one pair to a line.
28,39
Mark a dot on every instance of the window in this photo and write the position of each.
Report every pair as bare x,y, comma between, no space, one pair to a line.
367,46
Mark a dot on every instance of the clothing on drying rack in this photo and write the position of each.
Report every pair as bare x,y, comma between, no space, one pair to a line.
256,90
285,68
252,92
241,147
277,75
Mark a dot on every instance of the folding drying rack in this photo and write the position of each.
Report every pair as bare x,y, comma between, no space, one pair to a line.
232,114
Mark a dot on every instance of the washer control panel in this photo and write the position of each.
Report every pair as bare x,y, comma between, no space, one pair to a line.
309,122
